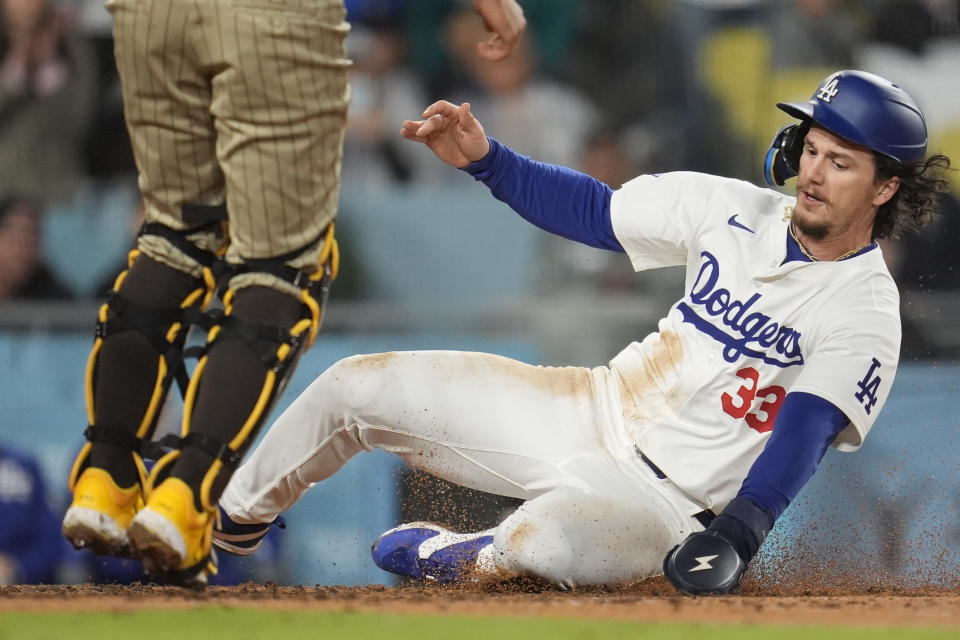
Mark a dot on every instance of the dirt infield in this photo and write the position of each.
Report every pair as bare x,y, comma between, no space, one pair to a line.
650,601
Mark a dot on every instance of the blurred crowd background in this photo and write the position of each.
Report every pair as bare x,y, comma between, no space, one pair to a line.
613,88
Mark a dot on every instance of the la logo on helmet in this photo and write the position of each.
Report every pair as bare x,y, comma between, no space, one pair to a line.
829,88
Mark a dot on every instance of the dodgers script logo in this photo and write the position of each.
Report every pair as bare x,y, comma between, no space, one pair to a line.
741,332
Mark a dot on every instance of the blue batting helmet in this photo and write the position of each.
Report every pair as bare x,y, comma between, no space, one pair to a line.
859,106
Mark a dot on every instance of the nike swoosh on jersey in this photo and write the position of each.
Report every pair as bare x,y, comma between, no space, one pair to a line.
733,223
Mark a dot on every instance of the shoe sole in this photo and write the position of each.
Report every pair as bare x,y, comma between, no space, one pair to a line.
90,529
150,535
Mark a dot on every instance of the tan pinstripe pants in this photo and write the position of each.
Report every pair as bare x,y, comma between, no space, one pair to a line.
241,102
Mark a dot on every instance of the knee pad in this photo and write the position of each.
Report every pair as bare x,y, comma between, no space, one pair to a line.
311,287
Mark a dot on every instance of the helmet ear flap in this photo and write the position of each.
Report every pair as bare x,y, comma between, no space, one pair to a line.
782,161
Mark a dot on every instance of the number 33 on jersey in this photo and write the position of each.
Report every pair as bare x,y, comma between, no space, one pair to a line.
761,415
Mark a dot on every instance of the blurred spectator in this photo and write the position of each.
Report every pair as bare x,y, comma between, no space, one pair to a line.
946,18
46,100
709,143
551,26
384,93
928,259
606,158
620,58
31,547
917,44
24,274
541,117
576,267
903,23
106,147
912,24
813,33
926,267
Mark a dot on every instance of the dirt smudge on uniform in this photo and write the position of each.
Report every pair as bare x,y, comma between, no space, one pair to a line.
520,536
556,381
373,361
646,387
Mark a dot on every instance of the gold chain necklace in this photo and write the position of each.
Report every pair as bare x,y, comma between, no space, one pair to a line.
813,258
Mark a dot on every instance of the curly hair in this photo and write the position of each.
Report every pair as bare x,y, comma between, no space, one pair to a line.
915,202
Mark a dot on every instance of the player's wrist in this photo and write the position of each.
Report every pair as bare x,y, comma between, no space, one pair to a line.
483,168
745,524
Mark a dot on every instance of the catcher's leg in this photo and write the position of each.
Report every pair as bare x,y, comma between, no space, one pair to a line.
278,115
252,349
167,99
136,354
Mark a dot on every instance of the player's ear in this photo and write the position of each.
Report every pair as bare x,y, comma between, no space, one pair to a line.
885,189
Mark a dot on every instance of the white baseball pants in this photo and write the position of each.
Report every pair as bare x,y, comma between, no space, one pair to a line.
595,512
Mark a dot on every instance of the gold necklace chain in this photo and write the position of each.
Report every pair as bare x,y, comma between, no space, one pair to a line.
813,258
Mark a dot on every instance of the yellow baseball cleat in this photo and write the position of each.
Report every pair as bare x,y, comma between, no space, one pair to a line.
100,513
172,539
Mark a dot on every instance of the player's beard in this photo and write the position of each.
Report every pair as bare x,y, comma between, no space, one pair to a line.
808,223
810,230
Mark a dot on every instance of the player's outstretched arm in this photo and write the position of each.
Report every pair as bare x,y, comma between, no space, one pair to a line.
451,132
505,22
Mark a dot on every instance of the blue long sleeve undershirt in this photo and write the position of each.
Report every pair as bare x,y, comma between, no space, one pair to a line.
576,206
805,426
556,199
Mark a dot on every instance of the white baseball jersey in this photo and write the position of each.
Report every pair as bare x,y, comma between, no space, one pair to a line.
703,392
698,398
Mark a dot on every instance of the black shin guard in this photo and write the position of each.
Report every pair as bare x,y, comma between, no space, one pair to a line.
252,349
140,337
249,358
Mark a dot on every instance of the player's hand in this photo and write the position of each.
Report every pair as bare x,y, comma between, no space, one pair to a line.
705,562
505,22
451,132
714,560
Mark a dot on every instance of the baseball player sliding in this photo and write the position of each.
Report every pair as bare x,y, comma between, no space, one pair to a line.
681,453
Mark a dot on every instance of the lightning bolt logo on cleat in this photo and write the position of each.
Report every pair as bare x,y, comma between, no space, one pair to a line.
704,563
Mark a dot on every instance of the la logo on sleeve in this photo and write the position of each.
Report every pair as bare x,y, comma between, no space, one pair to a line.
867,396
